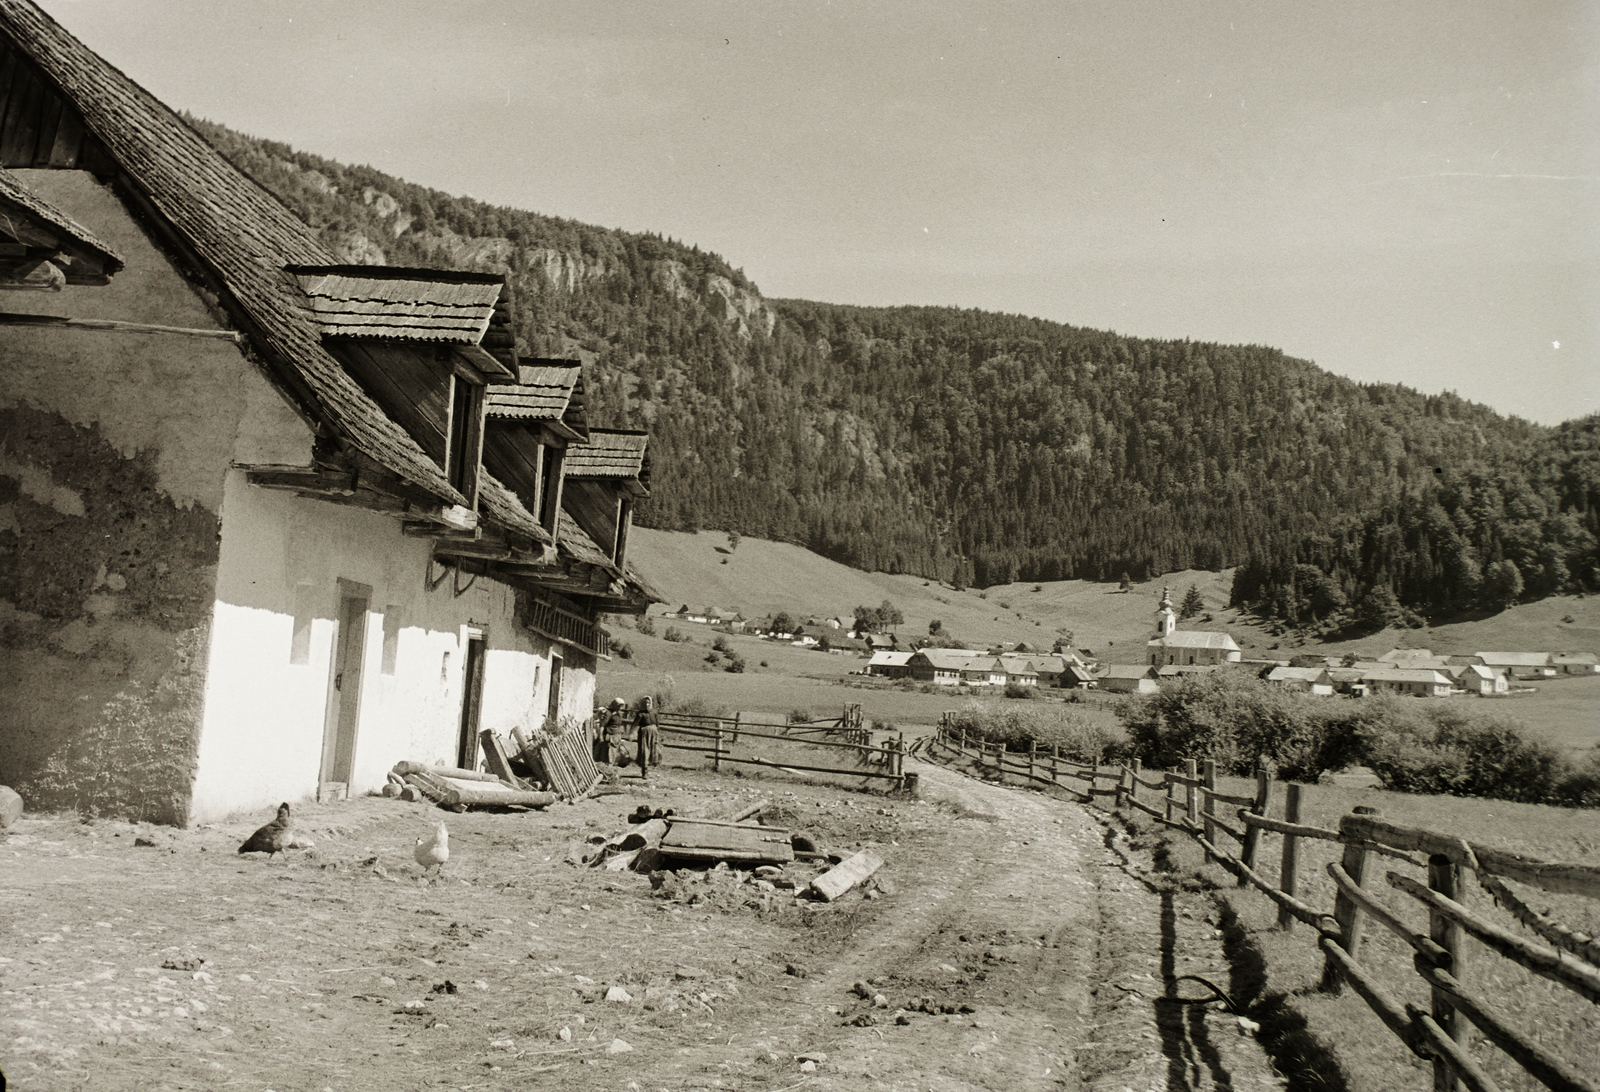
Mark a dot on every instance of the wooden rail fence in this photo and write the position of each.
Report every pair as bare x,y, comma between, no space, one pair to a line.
845,739
1189,802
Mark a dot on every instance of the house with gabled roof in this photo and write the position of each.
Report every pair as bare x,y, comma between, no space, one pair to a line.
1421,682
890,665
1305,680
1483,680
1521,665
1576,663
264,537
1129,679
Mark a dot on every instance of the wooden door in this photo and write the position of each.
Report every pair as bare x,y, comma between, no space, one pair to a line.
471,704
344,700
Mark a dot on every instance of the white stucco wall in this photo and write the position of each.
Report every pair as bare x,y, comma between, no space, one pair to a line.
262,735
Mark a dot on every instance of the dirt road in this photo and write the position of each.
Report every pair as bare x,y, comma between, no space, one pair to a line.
1016,945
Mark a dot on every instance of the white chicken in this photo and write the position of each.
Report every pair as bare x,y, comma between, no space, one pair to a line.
434,849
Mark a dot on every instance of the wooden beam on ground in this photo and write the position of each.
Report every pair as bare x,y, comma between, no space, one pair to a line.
849,873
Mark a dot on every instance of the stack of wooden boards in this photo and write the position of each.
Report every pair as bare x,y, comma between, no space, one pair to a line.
563,762
456,788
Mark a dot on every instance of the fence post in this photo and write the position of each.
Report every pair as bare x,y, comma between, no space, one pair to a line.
1345,911
900,759
1170,800
1252,835
1444,876
1208,803
1055,761
1133,779
1289,873
1000,761
1191,770
716,755
1033,748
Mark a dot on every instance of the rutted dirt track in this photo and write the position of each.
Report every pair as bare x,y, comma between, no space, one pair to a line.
1017,942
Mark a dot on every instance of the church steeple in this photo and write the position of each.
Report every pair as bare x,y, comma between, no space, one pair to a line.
1166,617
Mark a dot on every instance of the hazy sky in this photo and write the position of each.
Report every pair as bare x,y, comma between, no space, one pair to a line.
1403,190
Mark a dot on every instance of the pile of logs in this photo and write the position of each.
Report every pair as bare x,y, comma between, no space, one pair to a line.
459,789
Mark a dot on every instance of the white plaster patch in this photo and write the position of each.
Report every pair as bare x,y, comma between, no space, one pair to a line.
36,482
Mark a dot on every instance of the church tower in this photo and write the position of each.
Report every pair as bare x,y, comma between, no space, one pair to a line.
1166,618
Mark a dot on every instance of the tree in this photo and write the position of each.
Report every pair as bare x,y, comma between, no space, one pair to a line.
1192,603
889,615
935,627
782,623
1502,584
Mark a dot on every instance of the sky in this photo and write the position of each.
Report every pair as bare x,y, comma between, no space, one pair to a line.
1400,192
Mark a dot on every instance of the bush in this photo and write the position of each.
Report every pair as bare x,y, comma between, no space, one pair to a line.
1464,754
675,635
1018,690
1079,737
622,649
736,665
720,643
645,625
1231,718
799,716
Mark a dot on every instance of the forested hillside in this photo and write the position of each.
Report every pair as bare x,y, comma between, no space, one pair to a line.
987,448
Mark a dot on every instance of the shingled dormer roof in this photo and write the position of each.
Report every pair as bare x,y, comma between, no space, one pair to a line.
231,233
620,455
43,247
548,391
468,310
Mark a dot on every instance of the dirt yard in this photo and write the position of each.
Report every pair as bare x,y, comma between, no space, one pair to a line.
1014,941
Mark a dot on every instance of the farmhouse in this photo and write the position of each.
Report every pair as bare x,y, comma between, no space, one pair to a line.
1019,670
265,535
953,666
1422,682
1576,663
890,665
1484,681
1174,647
1129,679
1521,665
1305,680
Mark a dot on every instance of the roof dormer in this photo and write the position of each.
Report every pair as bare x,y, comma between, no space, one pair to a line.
529,426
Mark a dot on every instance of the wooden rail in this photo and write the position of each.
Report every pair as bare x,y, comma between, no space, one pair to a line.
1188,802
715,737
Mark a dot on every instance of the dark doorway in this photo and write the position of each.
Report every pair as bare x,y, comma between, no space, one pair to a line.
552,716
471,703
344,698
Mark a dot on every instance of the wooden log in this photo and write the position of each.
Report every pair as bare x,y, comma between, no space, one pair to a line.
404,767
1191,786
1554,1072
847,874
1579,944
1386,916
1289,870
754,809
1320,920
1552,963
1259,806
1346,911
1208,802
1444,876
1287,827
1230,798
1461,1065
1557,877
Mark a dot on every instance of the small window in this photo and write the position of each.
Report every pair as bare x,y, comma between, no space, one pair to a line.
391,637
304,610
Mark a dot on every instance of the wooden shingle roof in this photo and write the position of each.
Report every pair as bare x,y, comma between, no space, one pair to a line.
546,390
234,235
609,453
448,307
43,232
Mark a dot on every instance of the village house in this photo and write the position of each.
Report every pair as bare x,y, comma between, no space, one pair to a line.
1483,681
1019,670
264,534
1421,682
1075,676
1305,680
1188,648
1576,663
889,665
1347,680
955,666
1129,679
1414,657
1520,665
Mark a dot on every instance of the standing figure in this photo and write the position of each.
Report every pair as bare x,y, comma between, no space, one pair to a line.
612,733
649,737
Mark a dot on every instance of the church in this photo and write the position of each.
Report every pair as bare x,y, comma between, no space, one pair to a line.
1172,646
